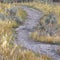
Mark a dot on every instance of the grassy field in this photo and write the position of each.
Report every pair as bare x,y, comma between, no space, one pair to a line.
11,51
8,49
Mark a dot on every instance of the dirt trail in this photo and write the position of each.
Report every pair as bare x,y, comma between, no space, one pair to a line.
24,31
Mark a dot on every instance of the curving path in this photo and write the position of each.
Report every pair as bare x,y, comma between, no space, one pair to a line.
24,31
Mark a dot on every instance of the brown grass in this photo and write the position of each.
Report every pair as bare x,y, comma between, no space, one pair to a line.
46,39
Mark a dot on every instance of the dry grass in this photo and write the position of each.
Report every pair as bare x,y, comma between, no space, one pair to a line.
6,34
45,8
6,31
19,53
9,50
23,14
20,13
46,39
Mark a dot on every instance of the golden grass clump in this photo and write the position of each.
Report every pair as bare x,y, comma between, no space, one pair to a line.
19,53
6,34
46,39
4,6
21,13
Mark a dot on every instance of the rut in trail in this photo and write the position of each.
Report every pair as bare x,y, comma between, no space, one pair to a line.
24,31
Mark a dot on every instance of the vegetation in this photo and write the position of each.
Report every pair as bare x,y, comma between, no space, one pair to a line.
47,30
45,39
22,14
6,34
19,53
13,12
8,49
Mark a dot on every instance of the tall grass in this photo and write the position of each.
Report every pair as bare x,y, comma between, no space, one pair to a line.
8,49
20,12
6,35
11,51
45,39
46,8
